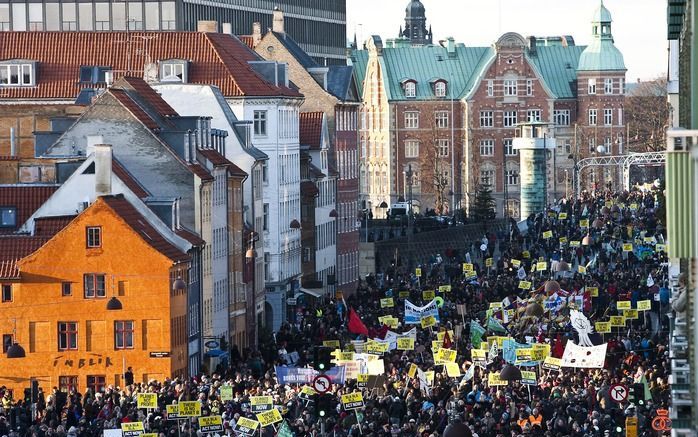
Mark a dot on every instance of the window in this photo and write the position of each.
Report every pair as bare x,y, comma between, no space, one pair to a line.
168,16
96,383
487,147
68,383
411,149
8,217
509,149
16,74
265,172
94,236
66,289
533,115
67,336
561,117
267,266
36,17
442,119
265,222
7,292
411,120
510,87
94,285
592,145
410,89
135,15
102,16
608,116
490,88
510,118
440,89
4,17
93,75
512,177
6,342
608,85
591,86
486,118
123,334
85,16
592,117
607,145
529,87
260,123
172,70
70,21
487,177
442,147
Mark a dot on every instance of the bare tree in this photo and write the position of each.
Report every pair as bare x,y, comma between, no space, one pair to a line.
434,167
647,116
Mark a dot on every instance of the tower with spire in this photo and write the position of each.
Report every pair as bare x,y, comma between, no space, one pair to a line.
416,24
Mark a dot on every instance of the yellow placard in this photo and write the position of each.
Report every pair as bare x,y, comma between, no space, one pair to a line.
418,271
467,267
644,305
376,347
493,379
603,327
617,321
405,343
552,363
660,247
412,371
489,262
584,223
630,314
189,409
541,266
387,302
429,377
593,291
562,216
516,263
132,426
563,240
623,305
428,294
495,305
581,269
331,343
352,400
627,247
308,391
428,321
442,334
444,289
575,243
548,234
526,254
362,379
247,425
447,355
525,285
452,370
436,345
539,351
147,400
210,424
267,418
403,294
226,392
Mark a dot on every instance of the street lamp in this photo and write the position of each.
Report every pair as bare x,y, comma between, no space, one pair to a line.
453,144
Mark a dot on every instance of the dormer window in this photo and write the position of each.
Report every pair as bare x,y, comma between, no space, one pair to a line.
17,73
440,89
93,74
410,88
173,70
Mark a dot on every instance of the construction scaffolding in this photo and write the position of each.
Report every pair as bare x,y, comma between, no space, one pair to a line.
621,162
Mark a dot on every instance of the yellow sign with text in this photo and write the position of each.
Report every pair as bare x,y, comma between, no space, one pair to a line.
617,321
541,265
447,355
603,327
644,305
627,247
428,294
584,223
352,401
445,289
452,370
494,380
147,400
405,343
428,321
630,314
525,285
412,371
189,409
267,418
467,267
387,302
593,291
623,305
548,234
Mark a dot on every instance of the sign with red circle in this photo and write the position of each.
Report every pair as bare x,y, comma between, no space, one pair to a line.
322,384
618,392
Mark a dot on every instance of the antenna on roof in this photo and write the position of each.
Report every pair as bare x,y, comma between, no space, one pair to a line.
149,69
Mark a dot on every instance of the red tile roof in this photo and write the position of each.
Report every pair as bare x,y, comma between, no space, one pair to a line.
26,198
215,59
200,171
311,129
50,226
248,40
217,159
190,236
128,180
134,108
12,249
308,188
151,96
143,228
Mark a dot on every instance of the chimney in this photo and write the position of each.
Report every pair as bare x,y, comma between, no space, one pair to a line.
13,142
532,45
109,77
278,21
256,33
102,157
451,47
207,26
227,29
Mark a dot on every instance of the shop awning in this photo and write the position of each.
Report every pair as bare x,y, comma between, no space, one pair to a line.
315,292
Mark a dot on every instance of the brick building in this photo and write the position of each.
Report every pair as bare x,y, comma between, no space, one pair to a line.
406,118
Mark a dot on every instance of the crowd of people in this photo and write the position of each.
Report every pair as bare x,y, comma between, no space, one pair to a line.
590,277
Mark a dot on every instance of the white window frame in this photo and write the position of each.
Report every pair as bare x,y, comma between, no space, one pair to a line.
608,116
509,149
411,149
529,87
561,117
487,118
411,120
487,177
490,87
487,147
18,69
173,69
592,119
510,88
608,85
441,118
510,118
512,176
533,115
410,89
443,146
440,89
591,86
260,123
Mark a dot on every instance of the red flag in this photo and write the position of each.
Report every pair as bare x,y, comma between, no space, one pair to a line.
382,332
447,341
355,325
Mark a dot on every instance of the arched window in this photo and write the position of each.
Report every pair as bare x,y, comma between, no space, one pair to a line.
410,89
440,89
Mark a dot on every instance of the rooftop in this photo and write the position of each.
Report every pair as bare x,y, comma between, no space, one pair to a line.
25,199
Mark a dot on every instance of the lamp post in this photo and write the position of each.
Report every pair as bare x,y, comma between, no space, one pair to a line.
453,145
408,176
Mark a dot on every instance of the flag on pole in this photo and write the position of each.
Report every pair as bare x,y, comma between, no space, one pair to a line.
447,341
476,332
355,325
494,325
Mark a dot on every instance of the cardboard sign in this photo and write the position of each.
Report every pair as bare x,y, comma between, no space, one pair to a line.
226,392
593,291
644,305
627,247
630,314
526,254
548,234
581,269
563,240
447,355
132,429
603,327
584,223
428,321
210,424
352,401
189,409
617,321
525,285
467,267
493,379
528,378
552,363
261,403
452,370
489,262
418,271
412,371
404,294
623,305
444,289
377,347
405,343
269,417
247,426
387,302
428,294
575,244
539,351
479,357
541,266
172,412
524,354
362,380
331,343
147,400
516,263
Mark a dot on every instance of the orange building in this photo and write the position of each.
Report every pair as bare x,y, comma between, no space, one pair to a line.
56,307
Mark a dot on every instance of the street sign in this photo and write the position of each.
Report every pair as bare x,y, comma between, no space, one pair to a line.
322,384
619,393
662,422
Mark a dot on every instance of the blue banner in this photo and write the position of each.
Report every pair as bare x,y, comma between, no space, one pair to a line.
303,375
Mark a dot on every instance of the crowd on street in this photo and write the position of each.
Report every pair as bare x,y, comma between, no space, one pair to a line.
588,273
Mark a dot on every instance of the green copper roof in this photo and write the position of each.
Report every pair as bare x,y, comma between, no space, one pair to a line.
359,59
601,55
558,67
602,15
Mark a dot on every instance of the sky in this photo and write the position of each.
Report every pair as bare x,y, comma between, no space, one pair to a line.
639,26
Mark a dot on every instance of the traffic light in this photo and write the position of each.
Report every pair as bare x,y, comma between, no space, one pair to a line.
637,393
325,405
322,359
